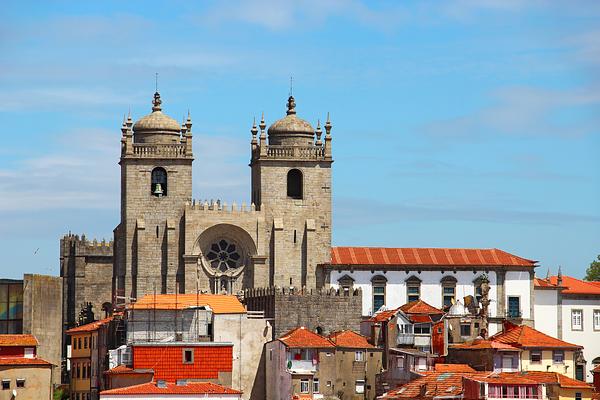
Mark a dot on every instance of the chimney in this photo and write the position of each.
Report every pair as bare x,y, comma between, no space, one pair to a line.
161,384
181,382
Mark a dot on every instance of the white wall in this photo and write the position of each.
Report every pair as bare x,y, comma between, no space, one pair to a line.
518,283
588,338
546,311
431,288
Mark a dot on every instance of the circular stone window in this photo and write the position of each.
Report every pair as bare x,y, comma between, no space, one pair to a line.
223,256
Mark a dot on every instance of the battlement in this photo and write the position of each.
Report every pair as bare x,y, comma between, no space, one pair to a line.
221,207
293,291
81,245
172,150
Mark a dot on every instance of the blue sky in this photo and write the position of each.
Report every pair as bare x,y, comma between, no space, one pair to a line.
456,124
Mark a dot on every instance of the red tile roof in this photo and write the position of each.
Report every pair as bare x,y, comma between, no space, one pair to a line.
525,336
92,326
436,384
482,344
17,340
350,339
151,388
384,315
420,307
23,361
539,377
218,303
576,286
304,338
540,283
123,370
506,378
425,256
453,368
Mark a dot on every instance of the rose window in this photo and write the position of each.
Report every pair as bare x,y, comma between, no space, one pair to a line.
223,256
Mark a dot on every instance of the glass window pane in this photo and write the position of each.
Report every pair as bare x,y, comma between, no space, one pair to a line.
15,327
3,311
15,311
379,290
448,290
3,293
15,293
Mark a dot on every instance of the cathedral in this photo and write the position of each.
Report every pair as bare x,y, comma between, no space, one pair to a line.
167,242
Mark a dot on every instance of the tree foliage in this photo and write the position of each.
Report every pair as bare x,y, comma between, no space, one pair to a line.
593,272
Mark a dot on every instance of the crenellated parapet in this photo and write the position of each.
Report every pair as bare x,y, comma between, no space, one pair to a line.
82,246
220,207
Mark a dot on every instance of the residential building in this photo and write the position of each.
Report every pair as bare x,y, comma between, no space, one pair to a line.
305,364
123,376
540,352
391,277
89,357
486,355
23,374
571,310
206,318
181,390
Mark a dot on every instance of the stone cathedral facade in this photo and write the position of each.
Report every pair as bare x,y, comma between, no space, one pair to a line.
167,242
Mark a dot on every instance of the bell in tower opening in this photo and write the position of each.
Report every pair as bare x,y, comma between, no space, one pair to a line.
159,182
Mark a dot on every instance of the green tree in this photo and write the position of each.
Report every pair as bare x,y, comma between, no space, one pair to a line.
593,272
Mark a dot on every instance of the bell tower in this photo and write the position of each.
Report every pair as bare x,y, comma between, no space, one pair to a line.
291,183
156,181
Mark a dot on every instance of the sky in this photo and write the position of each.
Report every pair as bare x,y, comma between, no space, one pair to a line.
468,123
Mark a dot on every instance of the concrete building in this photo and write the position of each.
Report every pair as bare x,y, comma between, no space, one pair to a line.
305,364
23,374
571,310
181,390
392,277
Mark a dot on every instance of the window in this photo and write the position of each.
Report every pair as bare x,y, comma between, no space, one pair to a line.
576,320
597,320
514,307
359,356
465,330
11,308
5,384
315,385
224,256
294,184
304,386
448,291
400,362
405,328
577,395
79,343
413,289
558,357
378,283
536,356
188,356
158,186
422,329
346,283
85,342
360,386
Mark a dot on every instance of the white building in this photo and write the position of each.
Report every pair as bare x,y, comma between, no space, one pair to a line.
392,277
570,310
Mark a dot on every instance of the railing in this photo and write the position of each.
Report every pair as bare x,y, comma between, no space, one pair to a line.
159,150
302,366
309,152
406,338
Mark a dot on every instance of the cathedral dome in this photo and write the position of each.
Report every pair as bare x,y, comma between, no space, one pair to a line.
291,130
156,127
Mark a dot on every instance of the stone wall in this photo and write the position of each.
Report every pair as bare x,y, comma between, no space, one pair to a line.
324,311
42,317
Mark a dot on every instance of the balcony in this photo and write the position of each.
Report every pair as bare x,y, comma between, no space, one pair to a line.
302,366
405,339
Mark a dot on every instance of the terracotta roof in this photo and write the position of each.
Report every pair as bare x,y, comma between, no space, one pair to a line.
92,326
420,307
436,384
151,388
383,315
17,340
576,286
350,339
218,303
514,378
123,370
482,344
525,336
425,256
23,361
540,283
304,338
453,368
538,377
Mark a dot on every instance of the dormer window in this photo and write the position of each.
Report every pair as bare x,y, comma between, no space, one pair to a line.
158,185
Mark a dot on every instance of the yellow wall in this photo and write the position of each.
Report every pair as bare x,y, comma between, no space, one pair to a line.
569,394
567,368
77,352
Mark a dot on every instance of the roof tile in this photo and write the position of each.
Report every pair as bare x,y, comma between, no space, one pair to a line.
151,388
304,338
350,339
219,303
17,340
525,336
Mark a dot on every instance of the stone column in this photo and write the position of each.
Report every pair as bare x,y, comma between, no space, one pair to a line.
172,257
278,254
310,255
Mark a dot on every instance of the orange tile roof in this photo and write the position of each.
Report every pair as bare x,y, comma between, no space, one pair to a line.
436,384
514,378
420,307
23,361
92,326
482,344
544,284
576,286
525,336
453,368
384,315
17,340
151,388
304,338
124,370
350,339
538,377
218,303
425,256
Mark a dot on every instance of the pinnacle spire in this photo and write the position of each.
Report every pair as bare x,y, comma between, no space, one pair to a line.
291,105
156,102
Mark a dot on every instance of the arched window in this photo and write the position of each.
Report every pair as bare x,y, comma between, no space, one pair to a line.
294,184
413,289
448,291
158,187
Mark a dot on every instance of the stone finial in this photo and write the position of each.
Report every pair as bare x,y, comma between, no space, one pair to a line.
548,274
263,136
327,146
156,102
291,106
328,126
254,131
318,133
262,125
